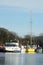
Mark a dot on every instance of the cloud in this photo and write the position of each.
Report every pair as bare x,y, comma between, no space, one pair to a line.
34,5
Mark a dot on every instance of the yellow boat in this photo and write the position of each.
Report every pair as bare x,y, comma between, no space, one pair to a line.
30,50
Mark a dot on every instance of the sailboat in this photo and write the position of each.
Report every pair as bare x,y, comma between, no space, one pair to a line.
30,49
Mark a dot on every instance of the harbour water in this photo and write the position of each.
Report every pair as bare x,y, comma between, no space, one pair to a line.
21,59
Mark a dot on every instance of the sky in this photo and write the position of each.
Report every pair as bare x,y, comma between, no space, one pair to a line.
15,15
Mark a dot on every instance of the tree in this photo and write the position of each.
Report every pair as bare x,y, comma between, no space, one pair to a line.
7,36
3,35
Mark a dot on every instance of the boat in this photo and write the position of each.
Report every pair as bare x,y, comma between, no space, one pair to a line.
12,47
30,50
38,49
23,50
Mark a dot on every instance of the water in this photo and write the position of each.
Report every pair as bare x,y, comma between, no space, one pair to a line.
21,59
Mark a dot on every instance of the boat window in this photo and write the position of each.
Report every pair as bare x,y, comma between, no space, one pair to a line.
10,45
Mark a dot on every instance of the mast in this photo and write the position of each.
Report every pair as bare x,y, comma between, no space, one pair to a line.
31,27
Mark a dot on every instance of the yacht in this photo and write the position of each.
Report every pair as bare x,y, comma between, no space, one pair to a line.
12,47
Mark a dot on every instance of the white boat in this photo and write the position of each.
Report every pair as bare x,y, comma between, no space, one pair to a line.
23,50
12,47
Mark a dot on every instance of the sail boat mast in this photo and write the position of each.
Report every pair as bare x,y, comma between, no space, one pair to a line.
31,27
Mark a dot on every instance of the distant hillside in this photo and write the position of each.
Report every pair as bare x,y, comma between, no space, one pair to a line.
7,36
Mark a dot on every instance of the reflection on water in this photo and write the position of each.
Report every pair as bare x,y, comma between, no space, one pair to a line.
2,59
21,59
